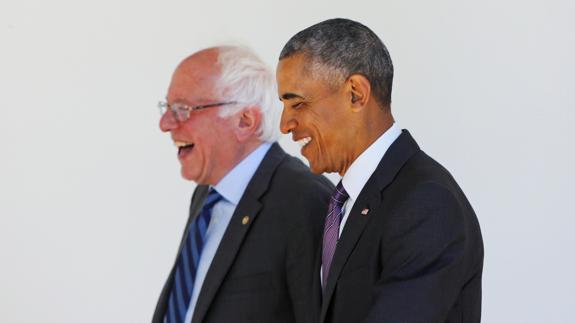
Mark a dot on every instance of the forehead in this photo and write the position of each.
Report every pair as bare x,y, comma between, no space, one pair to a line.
295,78
293,68
194,79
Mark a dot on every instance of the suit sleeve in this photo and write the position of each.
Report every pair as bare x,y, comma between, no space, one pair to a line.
422,258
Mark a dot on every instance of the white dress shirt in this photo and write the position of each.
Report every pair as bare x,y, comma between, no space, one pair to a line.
231,187
363,167
361,170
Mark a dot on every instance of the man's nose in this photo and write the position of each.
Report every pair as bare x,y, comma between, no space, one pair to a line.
287,122
168,122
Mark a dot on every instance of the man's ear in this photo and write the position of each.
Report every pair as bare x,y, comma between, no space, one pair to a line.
360,91
248,123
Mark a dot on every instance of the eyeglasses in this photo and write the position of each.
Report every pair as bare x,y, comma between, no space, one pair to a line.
181,112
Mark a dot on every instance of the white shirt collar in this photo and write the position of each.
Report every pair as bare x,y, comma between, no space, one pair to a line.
234,183
363,166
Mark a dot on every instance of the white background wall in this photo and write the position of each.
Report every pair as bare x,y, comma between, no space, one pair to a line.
91,202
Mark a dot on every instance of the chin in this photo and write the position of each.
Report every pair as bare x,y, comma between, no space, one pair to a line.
190,177
316,169
187,177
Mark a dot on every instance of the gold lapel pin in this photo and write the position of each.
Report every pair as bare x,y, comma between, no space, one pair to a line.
245,220
364,211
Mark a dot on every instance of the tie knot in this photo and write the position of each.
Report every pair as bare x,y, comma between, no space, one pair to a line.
213,198
339,196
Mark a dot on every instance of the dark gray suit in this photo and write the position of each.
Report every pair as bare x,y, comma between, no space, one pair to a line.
415,256
263,269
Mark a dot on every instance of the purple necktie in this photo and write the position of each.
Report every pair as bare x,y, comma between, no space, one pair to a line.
331,229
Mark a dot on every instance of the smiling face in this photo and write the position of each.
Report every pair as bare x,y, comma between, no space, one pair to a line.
207,146
319,116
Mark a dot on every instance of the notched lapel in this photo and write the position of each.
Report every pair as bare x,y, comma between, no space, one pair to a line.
370,198
226,254
350,235
249,206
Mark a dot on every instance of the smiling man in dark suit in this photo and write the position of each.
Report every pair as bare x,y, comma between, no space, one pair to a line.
401,242
256,216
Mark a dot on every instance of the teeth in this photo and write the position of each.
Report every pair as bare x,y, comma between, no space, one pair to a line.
180,144
304,141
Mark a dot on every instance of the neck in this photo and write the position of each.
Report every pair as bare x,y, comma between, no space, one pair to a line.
248,148
370,128
244,149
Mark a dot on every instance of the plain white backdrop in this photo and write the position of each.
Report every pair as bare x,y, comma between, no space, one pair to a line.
92,205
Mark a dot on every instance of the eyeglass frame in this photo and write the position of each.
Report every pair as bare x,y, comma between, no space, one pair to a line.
187,109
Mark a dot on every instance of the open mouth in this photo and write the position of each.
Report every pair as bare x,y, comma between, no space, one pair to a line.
184,148
304,141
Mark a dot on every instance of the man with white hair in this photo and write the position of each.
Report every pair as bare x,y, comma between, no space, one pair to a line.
257,214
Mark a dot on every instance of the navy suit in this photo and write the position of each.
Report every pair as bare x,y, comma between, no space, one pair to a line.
416,256
263,268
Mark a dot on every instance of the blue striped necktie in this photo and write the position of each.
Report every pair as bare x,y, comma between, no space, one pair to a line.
187,264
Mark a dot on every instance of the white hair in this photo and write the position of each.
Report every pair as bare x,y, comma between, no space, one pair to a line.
246,79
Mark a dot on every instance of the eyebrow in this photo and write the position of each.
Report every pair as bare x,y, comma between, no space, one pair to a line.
289,96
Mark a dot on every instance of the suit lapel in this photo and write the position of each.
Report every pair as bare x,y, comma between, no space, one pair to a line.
240,223
370,198
350,235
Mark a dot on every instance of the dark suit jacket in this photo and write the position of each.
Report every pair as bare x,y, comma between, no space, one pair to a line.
416,256
263,270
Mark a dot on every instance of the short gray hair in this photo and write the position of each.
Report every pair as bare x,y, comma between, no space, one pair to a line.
339,48
246,79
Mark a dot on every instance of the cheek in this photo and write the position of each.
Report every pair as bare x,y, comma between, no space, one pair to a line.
331,141
215,147
203,154
327,135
